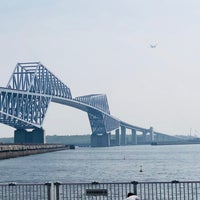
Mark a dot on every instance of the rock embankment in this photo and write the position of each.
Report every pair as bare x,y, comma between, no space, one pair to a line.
14,150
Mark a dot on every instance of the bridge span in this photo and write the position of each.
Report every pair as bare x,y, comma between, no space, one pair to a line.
30,90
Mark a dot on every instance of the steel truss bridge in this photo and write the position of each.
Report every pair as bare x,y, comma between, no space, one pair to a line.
30,90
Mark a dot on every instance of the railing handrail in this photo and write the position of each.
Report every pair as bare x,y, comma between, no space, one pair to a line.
107,191
96,182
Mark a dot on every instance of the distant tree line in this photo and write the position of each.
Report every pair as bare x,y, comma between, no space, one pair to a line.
77,140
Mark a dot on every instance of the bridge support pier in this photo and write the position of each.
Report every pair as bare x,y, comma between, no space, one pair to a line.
134,137
36,136
100,139
117,137
151,134
123,135
144,137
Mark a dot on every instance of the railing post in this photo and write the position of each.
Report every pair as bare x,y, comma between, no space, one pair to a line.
135,183
57,185
49,187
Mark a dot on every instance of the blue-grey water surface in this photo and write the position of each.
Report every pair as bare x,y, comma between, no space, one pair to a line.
114,164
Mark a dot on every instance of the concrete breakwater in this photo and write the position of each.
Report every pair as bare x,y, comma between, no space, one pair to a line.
13,150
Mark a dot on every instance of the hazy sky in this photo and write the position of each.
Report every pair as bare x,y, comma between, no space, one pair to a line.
103,47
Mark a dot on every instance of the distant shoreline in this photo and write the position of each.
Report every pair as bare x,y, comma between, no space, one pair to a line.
175,143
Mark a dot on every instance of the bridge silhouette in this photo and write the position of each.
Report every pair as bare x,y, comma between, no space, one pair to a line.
30,90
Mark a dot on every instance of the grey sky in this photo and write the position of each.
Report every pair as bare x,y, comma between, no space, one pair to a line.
103,47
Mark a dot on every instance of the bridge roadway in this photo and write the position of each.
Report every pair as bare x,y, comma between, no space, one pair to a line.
25,100
120,139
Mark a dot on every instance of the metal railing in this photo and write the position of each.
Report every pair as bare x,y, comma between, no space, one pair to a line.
174,190
14,191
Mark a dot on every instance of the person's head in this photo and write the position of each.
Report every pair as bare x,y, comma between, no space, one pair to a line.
130,194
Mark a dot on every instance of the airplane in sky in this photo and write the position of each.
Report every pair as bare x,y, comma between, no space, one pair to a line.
153,45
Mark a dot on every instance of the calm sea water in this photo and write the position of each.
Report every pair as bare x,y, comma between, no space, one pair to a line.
114,164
